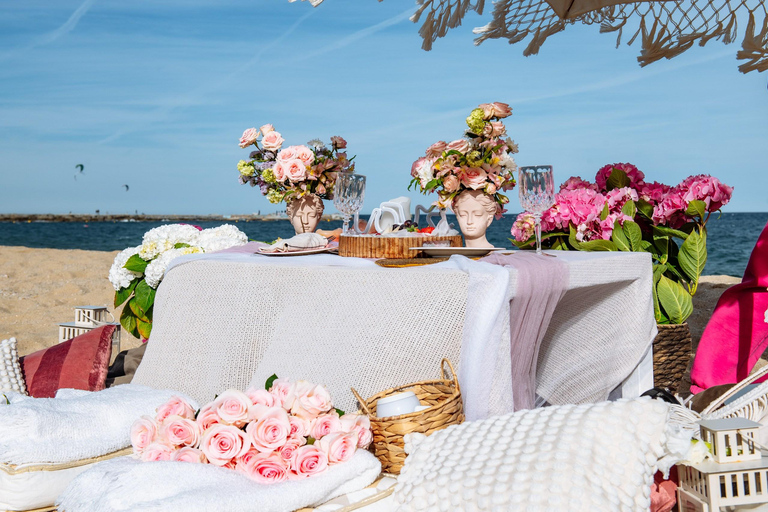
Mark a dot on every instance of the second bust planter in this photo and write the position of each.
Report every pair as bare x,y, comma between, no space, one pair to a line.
475,211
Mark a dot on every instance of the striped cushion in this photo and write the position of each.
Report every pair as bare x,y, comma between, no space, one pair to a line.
79,363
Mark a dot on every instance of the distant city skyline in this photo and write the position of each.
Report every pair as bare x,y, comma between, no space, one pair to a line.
151,99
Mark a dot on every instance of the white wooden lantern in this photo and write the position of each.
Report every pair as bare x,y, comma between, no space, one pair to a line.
708,486
731,439
90,316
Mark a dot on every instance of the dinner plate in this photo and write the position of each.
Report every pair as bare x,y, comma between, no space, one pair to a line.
464,251
299,252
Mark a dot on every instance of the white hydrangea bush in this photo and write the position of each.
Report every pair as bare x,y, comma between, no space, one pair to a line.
137,271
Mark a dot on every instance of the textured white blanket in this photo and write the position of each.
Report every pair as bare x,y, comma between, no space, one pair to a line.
127,484
77,425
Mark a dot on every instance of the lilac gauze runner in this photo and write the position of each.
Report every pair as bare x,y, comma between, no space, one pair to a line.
541,283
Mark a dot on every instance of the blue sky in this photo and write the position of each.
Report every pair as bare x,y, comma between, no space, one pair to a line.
156,95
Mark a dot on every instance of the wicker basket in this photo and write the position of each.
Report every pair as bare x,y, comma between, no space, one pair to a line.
671,352
444,397
377,246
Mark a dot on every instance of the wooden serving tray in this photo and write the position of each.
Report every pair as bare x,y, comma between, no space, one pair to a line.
377,246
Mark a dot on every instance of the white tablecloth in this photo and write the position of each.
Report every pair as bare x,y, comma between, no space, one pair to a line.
223,320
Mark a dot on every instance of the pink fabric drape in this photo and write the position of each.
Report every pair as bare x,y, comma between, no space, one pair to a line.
541,283
737,334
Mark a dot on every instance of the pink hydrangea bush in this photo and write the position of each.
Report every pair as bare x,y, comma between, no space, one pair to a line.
286,432
621,211
482,160
285,174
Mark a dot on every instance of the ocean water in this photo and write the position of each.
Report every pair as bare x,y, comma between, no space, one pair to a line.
731,237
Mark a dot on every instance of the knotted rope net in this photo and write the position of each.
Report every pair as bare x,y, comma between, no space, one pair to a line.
665,29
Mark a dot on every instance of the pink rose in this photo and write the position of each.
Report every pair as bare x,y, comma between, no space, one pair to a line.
451,183
305,154
324,425
290,446
267,128
494,129
188,454
460,145
180,431
280,389
338,142
279,171
261,397
222,443
176,406
157,451
265,468
232,407
143,433
299,426
315,400
360,425
249,137
295,170
207,417
272,140
339,446
436,149
308,460
270,431
473,178
287,154
490,189
495,109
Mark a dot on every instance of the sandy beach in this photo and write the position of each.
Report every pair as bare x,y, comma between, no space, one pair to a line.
39,288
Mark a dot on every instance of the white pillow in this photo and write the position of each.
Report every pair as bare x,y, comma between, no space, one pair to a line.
585,457
10,371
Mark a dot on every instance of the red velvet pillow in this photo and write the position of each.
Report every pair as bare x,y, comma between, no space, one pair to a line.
79,363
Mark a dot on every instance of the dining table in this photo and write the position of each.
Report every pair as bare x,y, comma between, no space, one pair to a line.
233,319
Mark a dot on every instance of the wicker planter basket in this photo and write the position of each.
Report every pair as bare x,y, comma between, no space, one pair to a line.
444,397
377,246
671,352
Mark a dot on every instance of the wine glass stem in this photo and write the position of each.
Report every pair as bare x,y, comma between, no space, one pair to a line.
537,227
345,229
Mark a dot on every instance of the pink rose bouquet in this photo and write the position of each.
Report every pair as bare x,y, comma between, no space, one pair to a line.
284,174
623,212
482,160
289,430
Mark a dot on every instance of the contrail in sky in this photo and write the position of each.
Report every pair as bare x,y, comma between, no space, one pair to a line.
50,37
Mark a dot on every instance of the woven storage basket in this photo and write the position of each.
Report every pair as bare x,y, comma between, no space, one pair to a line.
671,352
444,397
377,246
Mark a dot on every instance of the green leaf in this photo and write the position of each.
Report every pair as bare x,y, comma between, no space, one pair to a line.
675,301
136,264
696,208
665,231
310,440
605,212
144,328
137,311
598,245
128,321
617,179
340,412
693,256
645,208
122,294
634,234
646,246
619,238
432,184
270,381
145,295
181,245
629,209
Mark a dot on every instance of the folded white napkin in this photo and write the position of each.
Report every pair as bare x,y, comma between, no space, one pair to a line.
128,484
298,242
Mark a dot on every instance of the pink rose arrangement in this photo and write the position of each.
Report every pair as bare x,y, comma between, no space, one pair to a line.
289,430
482,160
620,211
284,174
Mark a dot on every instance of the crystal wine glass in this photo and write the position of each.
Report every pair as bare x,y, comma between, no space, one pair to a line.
537,194
348,194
